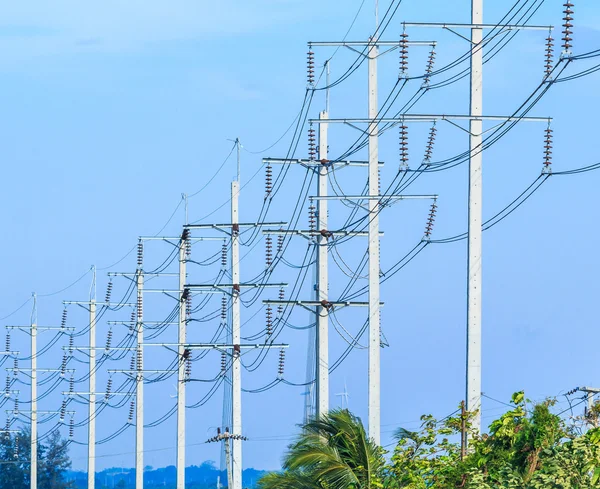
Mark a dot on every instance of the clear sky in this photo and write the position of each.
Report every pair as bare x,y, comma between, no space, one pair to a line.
111,110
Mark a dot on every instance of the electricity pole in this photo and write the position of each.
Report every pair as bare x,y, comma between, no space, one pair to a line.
139,394
34,414
181,379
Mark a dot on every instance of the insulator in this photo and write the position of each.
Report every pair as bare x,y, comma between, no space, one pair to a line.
187,242
16,449
548,150
403,54
188,365
268,250
431,220
224,255
140,359
568,26
281,297
223,361
7,350
188,305
131,410
312,217
549,55
280,241
429,69
108,339
310,67
7,390
71,428
16,410
140,254
71,344
268,178
131,326
108,292
269,322
281,362
312,144
63,365
7,425
15,366
108,388
132,362
403,148
379,182
63,410
71,385
140,307
223,308
430,144
63,320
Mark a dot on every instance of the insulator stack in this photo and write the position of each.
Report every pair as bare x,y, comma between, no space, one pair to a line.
63,410
431,220
16,450
268,178
7,342
63,365
7,426
63,320
139,359
71,428
269,315
108,292
549,55
223,362
568,26
223,309
16,410
108,389
15,366
71,344
312,217
548,150
430,144
140,307
280,241
71,385
403,55
281,362
310,67
312,144
268,250
7,390
281,297
186,242
224,255
379,182
132,362
132,321
140,254
188,304
403,147
109,339
188,365
131,411
429,69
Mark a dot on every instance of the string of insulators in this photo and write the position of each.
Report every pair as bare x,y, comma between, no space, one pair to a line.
310,67
16,450
63,320
403,54
312,143
430,64
281,297
16,410
280,241
379,182
71,344
269,315
108,292
140,307
139,359
7,426
15,366
268,178
131,411
108,388
549,55
403,147
548,150
188,364
224,255
132,325
430,144
63,410
312,217
7,390
188,304
187,243
71,385
109,339
7,342
431,219
71,428
223,308
268,250
223,362
63,365
568,26
140,254
281,362
132,362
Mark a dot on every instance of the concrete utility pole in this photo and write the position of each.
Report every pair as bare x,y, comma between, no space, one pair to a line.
374,266
139,394
92,401
236,367
34,413
322,276
181,380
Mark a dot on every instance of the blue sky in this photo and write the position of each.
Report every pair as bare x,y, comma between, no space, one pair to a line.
112,109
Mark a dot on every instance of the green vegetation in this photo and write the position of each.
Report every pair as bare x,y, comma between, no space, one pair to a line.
528,447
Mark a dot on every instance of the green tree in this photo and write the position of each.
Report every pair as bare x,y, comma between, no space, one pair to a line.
332,452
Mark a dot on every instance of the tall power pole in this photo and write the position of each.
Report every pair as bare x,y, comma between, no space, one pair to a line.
34,413
181,378
139,395
92,399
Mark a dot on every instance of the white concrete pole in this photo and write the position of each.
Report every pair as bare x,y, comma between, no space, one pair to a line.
236,371
139,395
34,430
473,393
322,278
181,339
374,267
92,403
